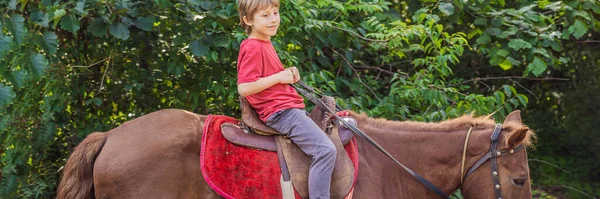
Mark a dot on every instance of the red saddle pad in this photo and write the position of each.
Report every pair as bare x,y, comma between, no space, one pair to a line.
235,171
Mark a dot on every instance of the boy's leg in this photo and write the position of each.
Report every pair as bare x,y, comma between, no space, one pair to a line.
295,124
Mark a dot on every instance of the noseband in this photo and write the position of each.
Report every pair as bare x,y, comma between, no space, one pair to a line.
492,156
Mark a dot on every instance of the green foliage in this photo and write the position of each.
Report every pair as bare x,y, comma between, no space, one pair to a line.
70,68
522,33
6,95
543,39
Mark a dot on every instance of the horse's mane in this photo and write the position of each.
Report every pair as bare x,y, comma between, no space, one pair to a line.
462,122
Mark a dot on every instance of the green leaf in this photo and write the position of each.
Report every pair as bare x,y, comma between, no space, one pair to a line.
96,101
518,44
527,8
49,42
144,23
12,5
46,2
5,44
579,29
480,21
523,99
324,61
493,31
36,16
509,90
38,63
18,77
70,23
511,31
543,52
44,20
506,64
553,6
513,61
16,25
6,95
208,5
80,7
483,39
163,3
537,67
214,55
174,68
98,27
446,8
595,8
502,2
199,48
58,14
119,30
500,97
502,52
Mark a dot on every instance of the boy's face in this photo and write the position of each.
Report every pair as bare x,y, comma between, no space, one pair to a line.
264,23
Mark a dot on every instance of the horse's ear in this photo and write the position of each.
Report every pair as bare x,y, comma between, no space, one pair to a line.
514,116
516,137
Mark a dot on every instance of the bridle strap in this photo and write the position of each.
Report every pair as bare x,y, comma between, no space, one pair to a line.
464,155
369,140
488,155
493,161
492,155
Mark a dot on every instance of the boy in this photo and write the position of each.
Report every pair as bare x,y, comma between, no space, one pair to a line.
265,84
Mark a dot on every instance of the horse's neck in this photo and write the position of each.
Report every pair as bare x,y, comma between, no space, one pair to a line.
434,155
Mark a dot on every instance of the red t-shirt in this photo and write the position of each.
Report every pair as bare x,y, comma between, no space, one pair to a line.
258,59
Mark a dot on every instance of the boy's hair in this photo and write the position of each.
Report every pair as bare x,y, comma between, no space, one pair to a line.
249,7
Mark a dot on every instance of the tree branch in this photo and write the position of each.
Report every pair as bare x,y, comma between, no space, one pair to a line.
571,188
377,68
524,88
357,75
553,165
105,71
80,66
589,41
355,33
510,78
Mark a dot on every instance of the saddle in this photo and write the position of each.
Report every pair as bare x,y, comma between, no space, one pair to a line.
252,132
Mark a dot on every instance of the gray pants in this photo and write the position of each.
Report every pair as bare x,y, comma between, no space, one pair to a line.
296,124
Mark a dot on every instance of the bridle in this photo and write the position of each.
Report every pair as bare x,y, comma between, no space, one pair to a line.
492,156
304,89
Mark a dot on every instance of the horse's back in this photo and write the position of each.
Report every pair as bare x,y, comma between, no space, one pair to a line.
153,156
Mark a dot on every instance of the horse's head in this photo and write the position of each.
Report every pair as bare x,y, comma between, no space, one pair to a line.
512,166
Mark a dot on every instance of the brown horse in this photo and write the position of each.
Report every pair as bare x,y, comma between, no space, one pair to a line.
157,156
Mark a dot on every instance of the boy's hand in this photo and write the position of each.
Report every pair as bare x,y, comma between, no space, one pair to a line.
289,75
342,113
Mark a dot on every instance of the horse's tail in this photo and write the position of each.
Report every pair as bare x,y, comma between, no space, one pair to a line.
78,180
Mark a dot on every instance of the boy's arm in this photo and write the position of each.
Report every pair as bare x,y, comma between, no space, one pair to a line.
287,76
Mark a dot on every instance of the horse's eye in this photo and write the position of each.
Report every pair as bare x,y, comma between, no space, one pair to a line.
519,182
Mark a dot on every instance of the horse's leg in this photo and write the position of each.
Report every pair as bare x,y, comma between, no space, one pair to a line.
154,156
